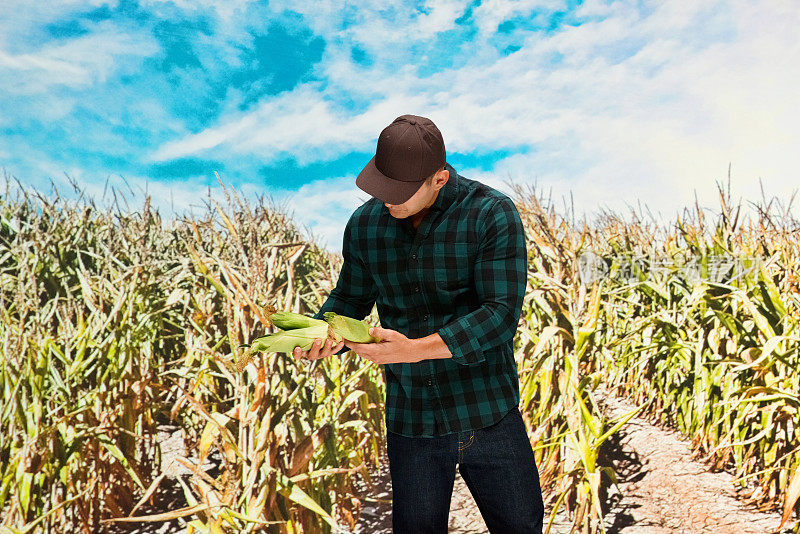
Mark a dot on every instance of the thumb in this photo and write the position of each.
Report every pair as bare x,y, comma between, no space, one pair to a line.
380,333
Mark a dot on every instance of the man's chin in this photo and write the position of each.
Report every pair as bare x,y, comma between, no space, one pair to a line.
396,214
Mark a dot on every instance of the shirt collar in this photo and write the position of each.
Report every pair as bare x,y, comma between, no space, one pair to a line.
449,191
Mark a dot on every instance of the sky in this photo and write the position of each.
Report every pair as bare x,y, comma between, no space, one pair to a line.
597,105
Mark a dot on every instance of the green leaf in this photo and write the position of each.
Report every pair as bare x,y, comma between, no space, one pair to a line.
117,453
293,492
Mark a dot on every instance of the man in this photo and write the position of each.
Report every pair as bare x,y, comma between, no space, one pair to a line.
444,259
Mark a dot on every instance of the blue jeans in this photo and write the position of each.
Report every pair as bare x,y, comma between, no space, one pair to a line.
496,462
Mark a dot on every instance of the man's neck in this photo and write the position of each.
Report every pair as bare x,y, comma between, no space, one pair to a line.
416,219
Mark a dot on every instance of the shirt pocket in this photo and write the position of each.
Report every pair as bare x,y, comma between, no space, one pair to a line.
452,265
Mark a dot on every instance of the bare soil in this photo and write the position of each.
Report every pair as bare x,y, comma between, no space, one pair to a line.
664,488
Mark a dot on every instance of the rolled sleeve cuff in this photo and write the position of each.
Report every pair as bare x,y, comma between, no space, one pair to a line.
465,348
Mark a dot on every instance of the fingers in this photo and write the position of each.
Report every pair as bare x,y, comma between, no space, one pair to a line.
330,348
310,354
318,350
313,352
298,353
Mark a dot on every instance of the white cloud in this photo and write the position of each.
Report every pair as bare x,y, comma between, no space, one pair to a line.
380,27
643,105
79,62
301,123
324,206
380,34
595,8
491,13
22,10
227,10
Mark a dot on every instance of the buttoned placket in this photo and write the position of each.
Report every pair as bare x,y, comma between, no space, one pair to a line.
422,233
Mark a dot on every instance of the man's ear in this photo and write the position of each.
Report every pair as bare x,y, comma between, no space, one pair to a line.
442,177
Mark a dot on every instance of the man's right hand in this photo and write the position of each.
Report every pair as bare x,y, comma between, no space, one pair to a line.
317,350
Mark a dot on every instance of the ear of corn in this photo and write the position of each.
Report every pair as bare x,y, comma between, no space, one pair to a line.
287,340
289,320
292,321
349,328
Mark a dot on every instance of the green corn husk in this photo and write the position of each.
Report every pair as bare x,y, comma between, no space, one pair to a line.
349,328
289,320
293,321
287,340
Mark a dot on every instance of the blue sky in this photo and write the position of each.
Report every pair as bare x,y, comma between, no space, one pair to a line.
609,103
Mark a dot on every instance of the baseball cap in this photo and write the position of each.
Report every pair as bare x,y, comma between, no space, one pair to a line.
409,150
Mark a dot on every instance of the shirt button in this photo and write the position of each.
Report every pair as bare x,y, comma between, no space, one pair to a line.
425,318
416,289
413,256
430,382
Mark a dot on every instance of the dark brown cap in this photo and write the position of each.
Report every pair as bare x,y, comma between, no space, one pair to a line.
409,150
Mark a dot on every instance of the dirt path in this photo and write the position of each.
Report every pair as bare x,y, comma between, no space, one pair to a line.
664,490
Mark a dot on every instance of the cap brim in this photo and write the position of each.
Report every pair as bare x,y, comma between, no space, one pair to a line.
372,181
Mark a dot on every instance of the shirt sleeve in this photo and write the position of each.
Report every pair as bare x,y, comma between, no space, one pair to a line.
500,278
355,293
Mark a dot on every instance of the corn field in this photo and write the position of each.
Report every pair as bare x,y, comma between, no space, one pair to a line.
112,322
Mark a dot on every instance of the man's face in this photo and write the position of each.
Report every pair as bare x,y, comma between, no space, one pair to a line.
422,199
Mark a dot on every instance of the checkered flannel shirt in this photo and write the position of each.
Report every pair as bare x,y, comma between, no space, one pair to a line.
462,274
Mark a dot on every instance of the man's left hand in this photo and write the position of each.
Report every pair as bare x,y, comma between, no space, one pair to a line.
394,347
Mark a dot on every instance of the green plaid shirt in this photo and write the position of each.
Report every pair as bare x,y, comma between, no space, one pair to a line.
462,274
